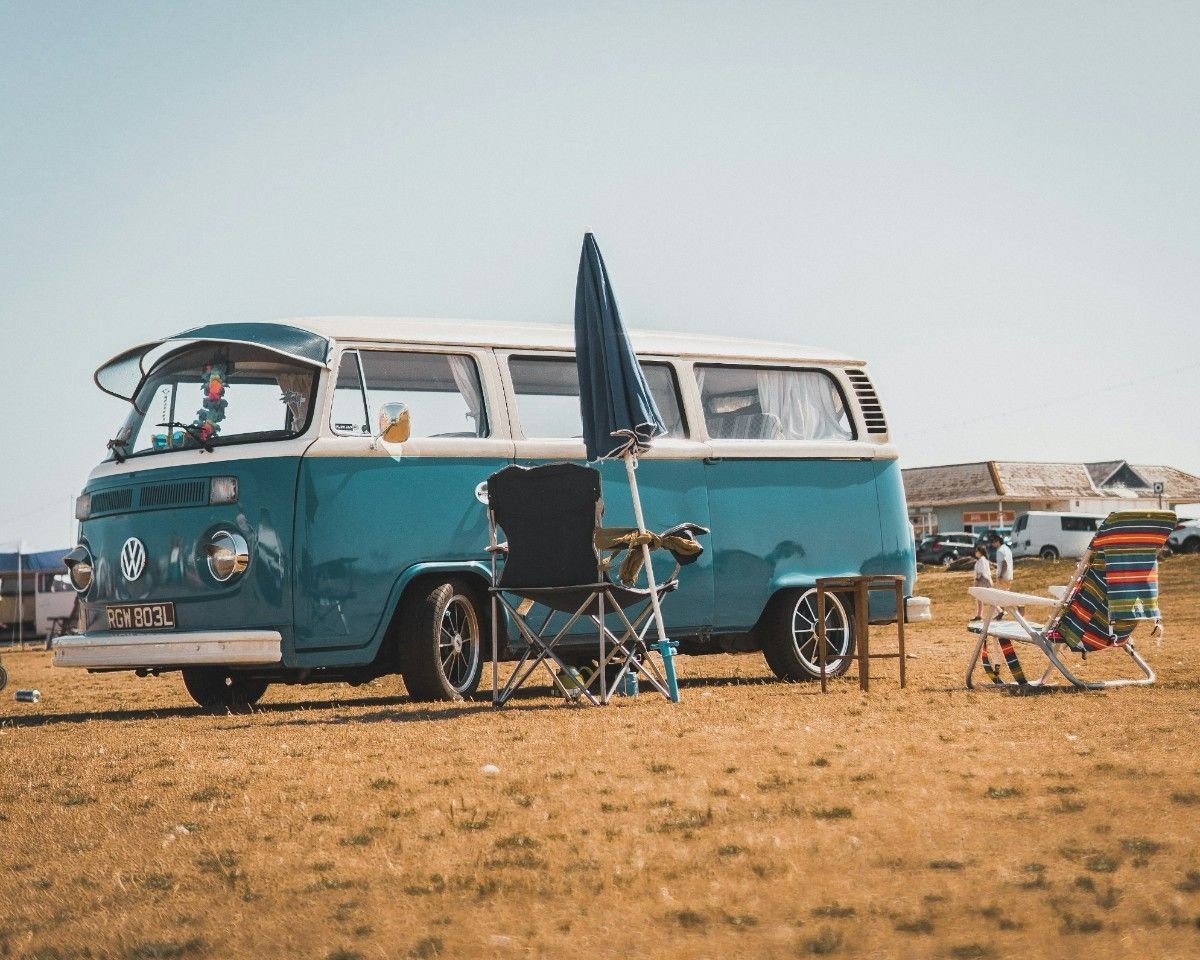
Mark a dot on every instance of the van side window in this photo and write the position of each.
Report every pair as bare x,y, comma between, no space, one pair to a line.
349,413
442,391
1079,524
765,403
547,390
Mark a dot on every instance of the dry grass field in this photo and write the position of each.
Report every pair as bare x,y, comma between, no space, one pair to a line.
756,819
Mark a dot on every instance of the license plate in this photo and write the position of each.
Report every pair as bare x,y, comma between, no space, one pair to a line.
141,616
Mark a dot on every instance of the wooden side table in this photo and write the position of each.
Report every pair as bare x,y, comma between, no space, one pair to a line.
860,588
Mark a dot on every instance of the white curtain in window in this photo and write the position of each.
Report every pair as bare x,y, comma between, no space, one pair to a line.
804,403
463,371
295,387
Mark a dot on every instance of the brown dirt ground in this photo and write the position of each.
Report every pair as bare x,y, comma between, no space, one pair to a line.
756,819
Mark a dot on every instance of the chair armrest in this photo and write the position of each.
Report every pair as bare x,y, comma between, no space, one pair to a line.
1006,598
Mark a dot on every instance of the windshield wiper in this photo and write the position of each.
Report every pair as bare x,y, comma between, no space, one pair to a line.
192,431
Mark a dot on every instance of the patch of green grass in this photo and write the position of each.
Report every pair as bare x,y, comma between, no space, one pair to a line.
919,925
970,951
164,949
1186,798
325,882
819,762
343,954
729,850
686,821
321,818
1101,863
690,919
774,782
356,840
73,798
832,813
823,944
946,865
382,783
1190,883
516,841
661,768
834,911
157,881
1141,846
207,795
740,921
862,777
1002,793
427,948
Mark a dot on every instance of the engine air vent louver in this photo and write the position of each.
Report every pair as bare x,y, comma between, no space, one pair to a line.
112,501
184,493
868,401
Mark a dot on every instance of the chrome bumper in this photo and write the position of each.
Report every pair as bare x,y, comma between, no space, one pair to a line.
132,650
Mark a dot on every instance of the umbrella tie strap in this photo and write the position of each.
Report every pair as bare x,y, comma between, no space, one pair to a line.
682,546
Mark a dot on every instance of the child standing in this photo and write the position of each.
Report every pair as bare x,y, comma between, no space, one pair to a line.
983,576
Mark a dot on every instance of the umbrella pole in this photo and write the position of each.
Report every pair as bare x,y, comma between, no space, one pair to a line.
665,648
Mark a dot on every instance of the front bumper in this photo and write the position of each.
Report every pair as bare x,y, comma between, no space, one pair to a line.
116,651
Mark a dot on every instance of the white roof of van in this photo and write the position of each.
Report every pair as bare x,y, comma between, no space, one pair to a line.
548,336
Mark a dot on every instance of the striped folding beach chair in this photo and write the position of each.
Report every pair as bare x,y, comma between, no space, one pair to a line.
1114,586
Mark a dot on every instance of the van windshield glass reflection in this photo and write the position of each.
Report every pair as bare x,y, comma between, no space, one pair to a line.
209,395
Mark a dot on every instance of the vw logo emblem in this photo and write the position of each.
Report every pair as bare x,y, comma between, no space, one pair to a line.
133,559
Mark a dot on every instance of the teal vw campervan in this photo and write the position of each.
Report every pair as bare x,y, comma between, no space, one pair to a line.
252,525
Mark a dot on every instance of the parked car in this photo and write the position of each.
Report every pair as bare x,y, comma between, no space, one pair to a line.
1051,535
944,548
1185,538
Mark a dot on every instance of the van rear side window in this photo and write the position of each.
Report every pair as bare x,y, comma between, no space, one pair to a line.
1079,524
772,403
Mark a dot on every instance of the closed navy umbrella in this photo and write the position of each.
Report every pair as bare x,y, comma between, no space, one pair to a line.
620,418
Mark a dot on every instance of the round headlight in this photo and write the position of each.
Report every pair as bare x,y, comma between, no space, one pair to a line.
228,555
79,568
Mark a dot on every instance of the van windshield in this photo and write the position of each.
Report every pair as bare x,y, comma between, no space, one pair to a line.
208,395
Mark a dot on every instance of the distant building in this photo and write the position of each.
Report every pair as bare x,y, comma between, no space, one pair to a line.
969,496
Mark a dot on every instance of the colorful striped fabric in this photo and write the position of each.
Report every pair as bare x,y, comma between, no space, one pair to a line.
1119,585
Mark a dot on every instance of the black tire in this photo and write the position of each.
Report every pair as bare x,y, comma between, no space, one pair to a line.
218,688
1048,553
3,677
1191,545
789,641
441,643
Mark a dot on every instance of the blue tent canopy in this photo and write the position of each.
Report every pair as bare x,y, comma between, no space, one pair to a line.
41,561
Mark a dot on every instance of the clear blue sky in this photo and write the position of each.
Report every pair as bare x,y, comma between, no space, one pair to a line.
997,205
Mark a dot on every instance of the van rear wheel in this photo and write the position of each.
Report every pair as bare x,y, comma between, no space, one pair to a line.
790,640
1048,553
441,643
215,688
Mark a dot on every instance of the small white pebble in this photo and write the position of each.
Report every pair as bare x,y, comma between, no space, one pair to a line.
1071,737
182,830
489,769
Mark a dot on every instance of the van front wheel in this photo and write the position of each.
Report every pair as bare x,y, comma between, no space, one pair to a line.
215,688
441,644
790,640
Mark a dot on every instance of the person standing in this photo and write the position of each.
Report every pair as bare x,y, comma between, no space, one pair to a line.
983,576
1004,562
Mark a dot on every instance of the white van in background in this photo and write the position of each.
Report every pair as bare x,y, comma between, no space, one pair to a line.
1053,535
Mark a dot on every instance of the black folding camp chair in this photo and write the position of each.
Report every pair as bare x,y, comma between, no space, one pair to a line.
551,557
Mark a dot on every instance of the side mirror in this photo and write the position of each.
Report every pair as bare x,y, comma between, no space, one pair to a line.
394,423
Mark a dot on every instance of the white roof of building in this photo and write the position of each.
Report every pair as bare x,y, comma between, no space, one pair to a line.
548,336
